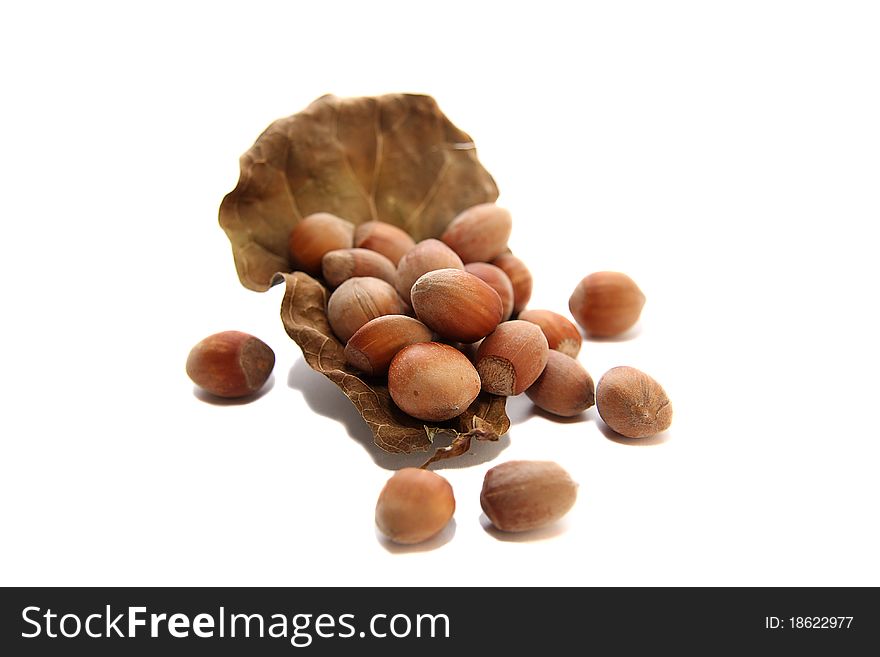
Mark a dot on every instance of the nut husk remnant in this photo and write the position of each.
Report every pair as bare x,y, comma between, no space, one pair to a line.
632,403
521,495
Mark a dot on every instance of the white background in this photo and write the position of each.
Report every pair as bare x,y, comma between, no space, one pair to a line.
725,155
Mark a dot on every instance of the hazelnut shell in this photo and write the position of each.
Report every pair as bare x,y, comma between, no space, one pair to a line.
512,357
480,233
357,301
414,505
432,381
520,277
314,236
230,364
606,303
562,335
374,345
564,387
457,305
632,403
519,496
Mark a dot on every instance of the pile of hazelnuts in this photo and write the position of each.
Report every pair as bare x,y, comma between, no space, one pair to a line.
444,320
436,319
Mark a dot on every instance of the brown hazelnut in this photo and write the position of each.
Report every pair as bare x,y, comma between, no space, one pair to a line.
377,342
425,256
632,403
480,233
564,387
341,264
414,505
498,281
511,358
387,239
432,381
521,495
456,304
230,364
314,236
606,303
520,278
561,334
357,301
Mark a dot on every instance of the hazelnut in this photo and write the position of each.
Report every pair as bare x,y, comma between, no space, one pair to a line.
357,301
564,387
520,278
432,381
230,364
456,304
561,334
377,342
314,236
425,256
387,239
511,358
632,403
521,495
480,233
414,505
606,303
341,264
498,281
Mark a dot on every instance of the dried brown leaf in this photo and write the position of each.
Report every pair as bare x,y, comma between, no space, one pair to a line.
394,158
305,320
